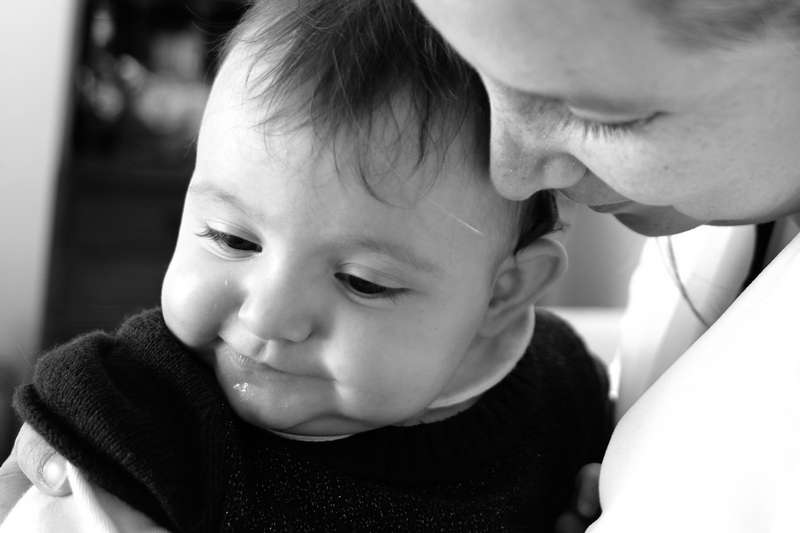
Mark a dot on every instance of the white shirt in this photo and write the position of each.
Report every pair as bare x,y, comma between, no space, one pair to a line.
89,509
714,444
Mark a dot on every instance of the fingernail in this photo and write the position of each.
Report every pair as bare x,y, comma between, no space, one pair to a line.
54,474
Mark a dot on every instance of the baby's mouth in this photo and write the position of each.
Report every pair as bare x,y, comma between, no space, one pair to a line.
258,363
251,364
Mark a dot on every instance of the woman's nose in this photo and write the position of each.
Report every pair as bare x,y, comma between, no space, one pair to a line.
527,152
278,306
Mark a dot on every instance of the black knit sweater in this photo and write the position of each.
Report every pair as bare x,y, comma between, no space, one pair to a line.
144,420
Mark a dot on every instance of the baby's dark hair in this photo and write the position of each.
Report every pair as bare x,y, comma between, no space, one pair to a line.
334,65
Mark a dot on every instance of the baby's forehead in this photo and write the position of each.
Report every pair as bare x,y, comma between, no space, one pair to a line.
393,139
385,154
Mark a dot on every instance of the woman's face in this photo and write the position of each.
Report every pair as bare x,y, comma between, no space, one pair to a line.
591,97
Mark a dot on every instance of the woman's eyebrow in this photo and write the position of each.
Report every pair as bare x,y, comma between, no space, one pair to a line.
592,102
582,100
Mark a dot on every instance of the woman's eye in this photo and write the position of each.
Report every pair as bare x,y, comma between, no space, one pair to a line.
609,129
367,289
228,241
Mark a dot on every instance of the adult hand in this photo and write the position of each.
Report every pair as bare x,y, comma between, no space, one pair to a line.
32,461
586,505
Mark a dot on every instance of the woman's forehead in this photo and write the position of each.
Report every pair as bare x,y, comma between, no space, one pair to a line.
543,45
612,53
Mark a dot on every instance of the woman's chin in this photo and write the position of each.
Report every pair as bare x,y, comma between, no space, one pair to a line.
656,221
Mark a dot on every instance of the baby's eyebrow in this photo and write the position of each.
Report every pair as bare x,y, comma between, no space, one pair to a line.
400,252
219,195
396,250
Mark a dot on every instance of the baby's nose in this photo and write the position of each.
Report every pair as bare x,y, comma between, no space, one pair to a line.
278,308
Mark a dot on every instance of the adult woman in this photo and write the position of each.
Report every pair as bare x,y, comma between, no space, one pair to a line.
668,115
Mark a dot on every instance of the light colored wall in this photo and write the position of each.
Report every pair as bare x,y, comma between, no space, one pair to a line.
592,293
35,52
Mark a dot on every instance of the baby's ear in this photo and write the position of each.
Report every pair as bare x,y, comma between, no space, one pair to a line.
521,280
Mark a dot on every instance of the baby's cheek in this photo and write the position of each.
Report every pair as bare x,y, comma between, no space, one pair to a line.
193,305
386,383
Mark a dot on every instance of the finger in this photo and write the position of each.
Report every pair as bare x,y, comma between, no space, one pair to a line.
588,499
13,484
46,468
571,523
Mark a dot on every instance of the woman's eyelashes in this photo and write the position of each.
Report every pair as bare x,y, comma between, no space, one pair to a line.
229,242
604,130
368,289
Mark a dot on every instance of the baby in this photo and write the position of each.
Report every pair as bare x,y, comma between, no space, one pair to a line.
345,338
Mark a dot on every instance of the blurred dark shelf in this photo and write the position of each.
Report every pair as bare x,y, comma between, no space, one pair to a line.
112,245
141,75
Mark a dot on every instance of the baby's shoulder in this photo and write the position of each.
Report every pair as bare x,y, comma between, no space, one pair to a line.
560,357
568,384
555,341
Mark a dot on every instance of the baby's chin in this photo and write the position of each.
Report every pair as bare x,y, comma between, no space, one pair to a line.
244,399
321,426
295,422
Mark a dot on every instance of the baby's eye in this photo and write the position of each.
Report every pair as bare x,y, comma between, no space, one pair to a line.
367,289
229,241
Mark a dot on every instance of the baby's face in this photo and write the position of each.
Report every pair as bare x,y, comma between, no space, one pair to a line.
323,310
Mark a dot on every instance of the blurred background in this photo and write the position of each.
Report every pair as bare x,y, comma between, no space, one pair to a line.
100,103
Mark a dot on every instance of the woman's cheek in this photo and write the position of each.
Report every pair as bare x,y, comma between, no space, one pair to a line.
628,176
